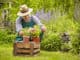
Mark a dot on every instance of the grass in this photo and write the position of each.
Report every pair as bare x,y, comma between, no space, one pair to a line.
6,54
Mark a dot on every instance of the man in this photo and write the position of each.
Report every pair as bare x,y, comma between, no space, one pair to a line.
25,19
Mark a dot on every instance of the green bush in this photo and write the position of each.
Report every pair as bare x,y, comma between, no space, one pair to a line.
76,45
66,47
6,38
52,40
52,43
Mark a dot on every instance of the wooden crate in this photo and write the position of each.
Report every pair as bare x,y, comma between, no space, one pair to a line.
27,47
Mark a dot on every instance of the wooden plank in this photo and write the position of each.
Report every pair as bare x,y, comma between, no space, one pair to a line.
19,44
31,48
36,50
14,49
22,45
23,54
36,45
22,51
36,53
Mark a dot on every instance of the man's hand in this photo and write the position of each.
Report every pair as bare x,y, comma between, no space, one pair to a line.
43,28
21,33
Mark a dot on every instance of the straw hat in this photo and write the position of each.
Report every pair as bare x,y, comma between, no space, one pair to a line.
24,10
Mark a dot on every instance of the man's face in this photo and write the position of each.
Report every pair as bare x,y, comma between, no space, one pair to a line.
26,18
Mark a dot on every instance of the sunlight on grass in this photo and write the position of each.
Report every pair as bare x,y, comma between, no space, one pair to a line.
6,54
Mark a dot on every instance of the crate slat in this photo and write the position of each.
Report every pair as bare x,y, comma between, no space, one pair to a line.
23,45
37,50
22,51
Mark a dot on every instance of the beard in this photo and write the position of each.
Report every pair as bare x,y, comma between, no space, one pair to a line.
27,20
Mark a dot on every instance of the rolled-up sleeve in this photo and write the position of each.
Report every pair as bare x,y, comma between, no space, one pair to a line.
18,24
37,21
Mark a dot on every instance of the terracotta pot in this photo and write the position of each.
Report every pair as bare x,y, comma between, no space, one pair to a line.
36,39
25,39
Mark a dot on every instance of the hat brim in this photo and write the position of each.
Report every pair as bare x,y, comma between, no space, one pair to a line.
26,13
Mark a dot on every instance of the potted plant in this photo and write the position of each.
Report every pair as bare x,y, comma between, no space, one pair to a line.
26,35
34,33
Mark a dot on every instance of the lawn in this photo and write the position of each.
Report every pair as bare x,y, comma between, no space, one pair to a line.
6,54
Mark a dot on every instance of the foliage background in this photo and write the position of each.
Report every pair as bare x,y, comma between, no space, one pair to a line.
58,16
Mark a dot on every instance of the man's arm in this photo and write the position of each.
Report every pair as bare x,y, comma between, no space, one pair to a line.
37,21
18,24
